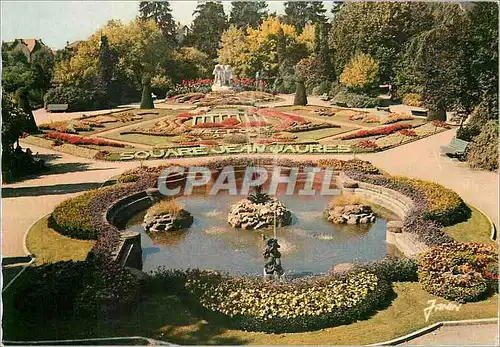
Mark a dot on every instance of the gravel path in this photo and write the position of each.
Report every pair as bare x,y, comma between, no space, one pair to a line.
483,334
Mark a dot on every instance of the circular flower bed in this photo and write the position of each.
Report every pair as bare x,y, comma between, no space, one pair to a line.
458,271
299,305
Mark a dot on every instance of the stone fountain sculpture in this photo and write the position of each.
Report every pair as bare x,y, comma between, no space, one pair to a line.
272,256
223,76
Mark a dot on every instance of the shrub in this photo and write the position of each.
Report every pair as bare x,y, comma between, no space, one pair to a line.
300,94
444,205
355,100
377,131
127,177
483,151
349,165
456,271
86,288
300,305
392,269
170,206
360,74
412,99
76,98
146,99
72,217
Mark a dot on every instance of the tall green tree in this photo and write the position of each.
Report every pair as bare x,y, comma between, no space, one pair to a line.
380,29
247,13
161,13
300,13
208,25
483,44
438,61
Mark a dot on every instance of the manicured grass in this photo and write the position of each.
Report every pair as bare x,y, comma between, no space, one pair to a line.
49,246
315,135
476,229
164,317
140,138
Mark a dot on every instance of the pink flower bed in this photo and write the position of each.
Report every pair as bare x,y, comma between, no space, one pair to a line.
377,131
81,140
252,124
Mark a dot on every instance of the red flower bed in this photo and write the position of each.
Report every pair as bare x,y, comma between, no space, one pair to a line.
367,144
440,123
81,140
252,124
377,131
408,132
230,121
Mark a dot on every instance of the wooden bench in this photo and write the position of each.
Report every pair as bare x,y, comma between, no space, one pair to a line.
456,148
57,107
419,113
340,104
324,97
385,109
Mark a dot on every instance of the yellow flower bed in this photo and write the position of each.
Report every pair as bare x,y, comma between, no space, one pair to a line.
301,304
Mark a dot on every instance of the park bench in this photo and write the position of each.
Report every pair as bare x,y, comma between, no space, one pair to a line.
419,113
385,109
340,104
324,97
456,148
57,107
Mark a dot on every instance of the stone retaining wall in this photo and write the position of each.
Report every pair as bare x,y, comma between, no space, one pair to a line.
394,201
129,251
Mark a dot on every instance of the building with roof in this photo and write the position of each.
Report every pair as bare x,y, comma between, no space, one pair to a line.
27,46
181,31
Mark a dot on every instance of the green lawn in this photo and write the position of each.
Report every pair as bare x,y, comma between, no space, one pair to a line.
140,138
49,246
164,317
476,229
315,135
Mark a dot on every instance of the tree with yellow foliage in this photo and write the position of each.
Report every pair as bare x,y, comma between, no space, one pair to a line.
361,74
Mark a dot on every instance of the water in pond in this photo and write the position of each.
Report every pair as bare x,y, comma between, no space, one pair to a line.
311,245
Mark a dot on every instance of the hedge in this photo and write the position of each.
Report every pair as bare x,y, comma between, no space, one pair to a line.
77,99
72,217
355,100
458,271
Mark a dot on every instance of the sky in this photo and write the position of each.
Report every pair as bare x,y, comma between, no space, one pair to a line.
58,22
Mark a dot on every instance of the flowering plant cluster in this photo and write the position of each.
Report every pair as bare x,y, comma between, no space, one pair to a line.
408,132
396,117
458,271
303,304
82,140
440,124
377,131
367,144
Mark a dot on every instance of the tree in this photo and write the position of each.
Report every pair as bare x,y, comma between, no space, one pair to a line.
208,25
139,46
483,44
437,64
22,100
247,13
161,13
106,66
14,122
361,74
299,13
380,29
233,49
